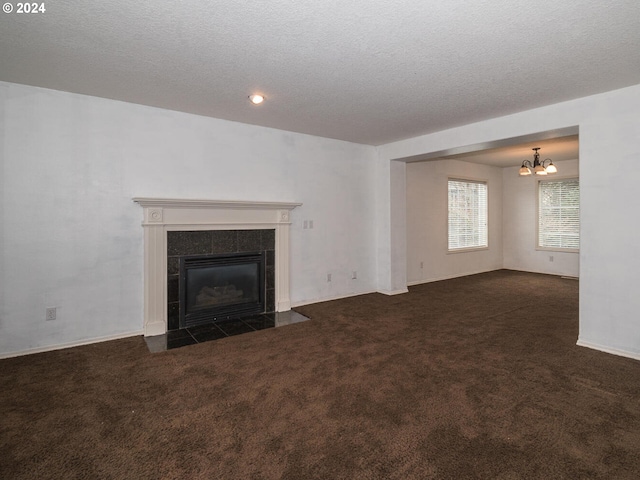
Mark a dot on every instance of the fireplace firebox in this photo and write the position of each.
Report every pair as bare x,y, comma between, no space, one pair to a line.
216,287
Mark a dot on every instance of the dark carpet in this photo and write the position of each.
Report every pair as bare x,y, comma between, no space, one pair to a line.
476,377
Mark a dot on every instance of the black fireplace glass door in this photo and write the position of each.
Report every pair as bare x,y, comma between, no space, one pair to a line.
221,286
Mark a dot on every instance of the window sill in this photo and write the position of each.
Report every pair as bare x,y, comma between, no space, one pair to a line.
558,249
469,249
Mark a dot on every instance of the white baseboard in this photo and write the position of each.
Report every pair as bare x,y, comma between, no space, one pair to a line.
561,275
448,277
603,348
328,299
61,346
393,292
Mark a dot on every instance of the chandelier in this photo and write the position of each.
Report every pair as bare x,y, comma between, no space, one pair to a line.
537,166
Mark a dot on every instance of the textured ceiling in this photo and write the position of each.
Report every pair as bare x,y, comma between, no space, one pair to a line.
365,71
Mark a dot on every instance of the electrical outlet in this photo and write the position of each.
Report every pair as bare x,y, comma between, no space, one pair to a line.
551,258
328,277
421,264
51,313
310,223
305,224
354,275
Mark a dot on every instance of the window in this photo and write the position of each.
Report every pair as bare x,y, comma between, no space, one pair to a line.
467,214
559,214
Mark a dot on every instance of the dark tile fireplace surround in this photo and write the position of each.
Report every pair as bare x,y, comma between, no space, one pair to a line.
209,242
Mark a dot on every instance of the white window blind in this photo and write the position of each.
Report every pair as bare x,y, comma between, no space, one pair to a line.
559,214
467,214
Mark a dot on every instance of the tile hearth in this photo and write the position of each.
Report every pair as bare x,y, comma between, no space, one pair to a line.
222,329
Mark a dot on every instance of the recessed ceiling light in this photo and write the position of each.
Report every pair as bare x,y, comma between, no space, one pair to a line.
256,99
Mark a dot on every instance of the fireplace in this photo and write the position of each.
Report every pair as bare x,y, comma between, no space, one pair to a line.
215,287
163,217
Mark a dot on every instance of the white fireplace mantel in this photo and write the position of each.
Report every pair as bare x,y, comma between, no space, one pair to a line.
170,214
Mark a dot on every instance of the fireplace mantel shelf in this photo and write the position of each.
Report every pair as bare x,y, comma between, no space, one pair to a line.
161,215
201,203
